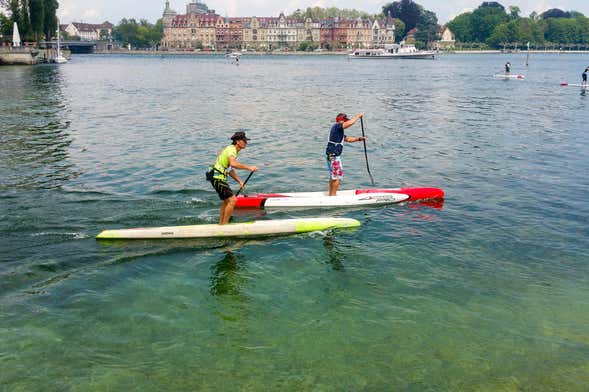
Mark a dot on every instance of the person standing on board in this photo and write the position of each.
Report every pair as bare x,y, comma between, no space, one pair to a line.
335,147
584,76
226,162
507,67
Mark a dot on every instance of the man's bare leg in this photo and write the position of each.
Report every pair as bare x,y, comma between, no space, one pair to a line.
227,210
333,185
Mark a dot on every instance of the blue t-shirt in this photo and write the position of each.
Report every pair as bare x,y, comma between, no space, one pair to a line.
336,139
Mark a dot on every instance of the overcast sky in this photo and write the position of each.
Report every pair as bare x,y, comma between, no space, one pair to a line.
92,11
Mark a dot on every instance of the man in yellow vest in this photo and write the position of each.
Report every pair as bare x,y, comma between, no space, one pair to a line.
226,162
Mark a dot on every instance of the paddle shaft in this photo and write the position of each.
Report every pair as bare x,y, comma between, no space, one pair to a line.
245,182
365,153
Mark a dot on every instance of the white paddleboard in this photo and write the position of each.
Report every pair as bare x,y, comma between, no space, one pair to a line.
238,230
509,76
342,199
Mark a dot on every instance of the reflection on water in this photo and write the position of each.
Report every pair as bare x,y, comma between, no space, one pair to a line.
34,134
226,278
333,253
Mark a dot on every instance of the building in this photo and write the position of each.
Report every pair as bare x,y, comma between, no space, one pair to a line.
89,32
202,28
196,8
447,39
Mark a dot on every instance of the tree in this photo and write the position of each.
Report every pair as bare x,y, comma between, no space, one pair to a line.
504,34
514,12
555,13
307,46
50,17
485,18
399,26
562,30
583,24
37,12
406,10
427,27
103,34
461,27
318,13
530,31
576,14
156,32
298,14
140,34
24,20
5,26
499,36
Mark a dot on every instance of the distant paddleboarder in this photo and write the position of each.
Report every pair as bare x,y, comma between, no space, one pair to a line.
507,67
584,76
335,146
217,175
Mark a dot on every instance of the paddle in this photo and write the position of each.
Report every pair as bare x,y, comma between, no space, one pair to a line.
245,182
365,153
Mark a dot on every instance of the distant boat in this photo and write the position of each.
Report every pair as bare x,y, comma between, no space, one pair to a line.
393,51
233,55
59,59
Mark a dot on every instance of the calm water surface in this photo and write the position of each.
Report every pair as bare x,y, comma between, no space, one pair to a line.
487,292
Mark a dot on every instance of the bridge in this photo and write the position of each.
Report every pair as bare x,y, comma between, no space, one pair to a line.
78,46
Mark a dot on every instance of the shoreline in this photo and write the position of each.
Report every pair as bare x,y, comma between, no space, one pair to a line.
32,56
323,53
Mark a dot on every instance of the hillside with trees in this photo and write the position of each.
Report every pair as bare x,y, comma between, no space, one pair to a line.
492,25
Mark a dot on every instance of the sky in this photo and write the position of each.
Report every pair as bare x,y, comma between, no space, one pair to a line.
92,11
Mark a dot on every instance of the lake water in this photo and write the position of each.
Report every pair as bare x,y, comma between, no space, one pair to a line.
487,292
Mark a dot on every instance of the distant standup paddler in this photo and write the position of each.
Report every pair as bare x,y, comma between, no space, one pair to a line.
507,67
335,146
226,162
584,75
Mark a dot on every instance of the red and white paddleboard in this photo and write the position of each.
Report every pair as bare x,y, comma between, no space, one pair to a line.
565,84
345,198
510,76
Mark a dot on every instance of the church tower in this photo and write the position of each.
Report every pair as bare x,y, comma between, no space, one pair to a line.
168,15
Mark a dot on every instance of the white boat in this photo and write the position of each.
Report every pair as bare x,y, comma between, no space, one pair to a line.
233,230
233,55
393,51
59,59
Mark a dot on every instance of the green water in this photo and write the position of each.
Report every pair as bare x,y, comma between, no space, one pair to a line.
485,293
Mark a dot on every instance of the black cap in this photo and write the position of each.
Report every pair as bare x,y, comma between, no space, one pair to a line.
240,135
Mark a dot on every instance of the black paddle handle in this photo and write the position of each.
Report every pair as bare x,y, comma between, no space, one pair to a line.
245,182
365,153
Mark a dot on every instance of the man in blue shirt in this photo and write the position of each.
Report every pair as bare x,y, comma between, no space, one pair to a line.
335,146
